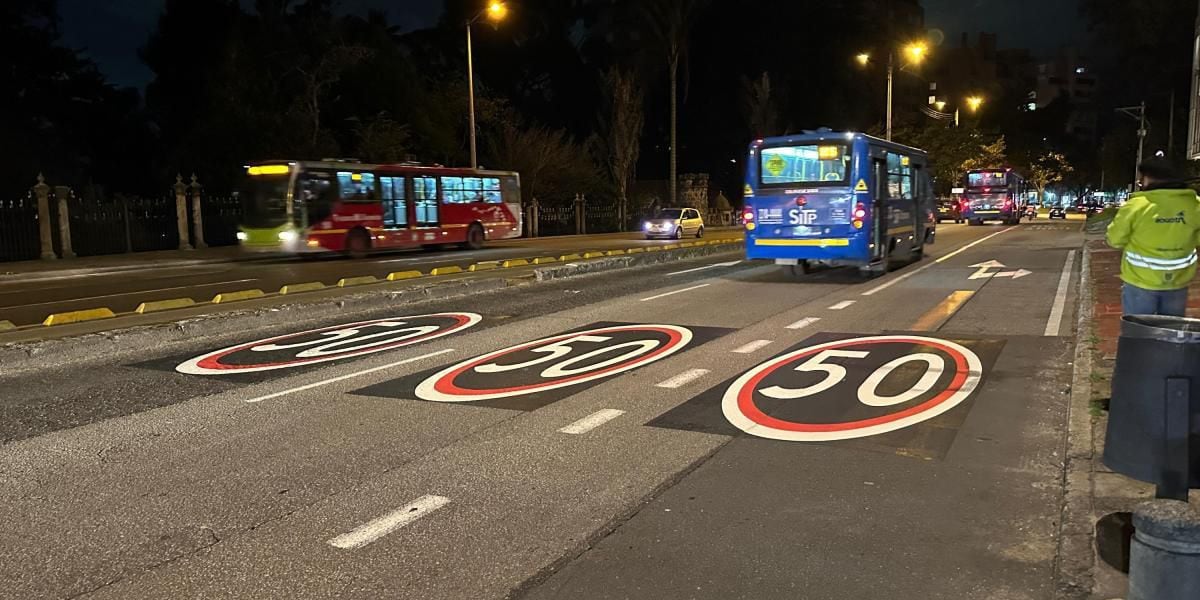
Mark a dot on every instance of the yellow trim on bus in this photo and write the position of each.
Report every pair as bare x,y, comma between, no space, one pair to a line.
822,243
320,231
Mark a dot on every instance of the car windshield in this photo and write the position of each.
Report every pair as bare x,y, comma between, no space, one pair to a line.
669,213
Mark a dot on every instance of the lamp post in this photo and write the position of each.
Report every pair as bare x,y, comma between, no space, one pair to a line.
495,12
915,52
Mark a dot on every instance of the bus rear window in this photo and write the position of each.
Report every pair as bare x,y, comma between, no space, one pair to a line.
987,179
808,164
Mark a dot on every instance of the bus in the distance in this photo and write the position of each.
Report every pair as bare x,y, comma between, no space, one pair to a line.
826,198
353,208
993,195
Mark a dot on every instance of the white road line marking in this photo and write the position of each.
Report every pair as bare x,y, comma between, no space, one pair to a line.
1054,323
706,267
377,528
754,346
889,283
844,304
117,295
694,287
349,376
592,421
683,378
802,323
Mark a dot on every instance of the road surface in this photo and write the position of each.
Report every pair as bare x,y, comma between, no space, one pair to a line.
703,429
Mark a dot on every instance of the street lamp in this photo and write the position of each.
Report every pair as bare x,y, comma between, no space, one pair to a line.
974,102
495,12
915,52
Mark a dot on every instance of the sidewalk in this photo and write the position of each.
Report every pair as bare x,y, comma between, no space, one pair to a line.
34,270
1109,492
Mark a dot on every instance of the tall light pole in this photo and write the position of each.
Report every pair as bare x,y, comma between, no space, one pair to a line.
495,12
915,52
1138,112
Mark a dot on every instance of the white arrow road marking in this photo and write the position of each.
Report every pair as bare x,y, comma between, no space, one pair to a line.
985,271
373,530
1019,273
991,264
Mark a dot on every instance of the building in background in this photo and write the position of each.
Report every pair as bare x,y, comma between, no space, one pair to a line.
1069,77
984,69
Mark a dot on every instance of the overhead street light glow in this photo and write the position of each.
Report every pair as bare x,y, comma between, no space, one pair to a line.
496,10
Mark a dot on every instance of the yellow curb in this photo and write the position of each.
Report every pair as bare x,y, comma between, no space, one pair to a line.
402,275
157,305
614,253
7,325
593,254
669,247
516,262
566,257
653,248
446,271
635,250
77,316
686,244
237,296
296,288
485,266
544,260
352,281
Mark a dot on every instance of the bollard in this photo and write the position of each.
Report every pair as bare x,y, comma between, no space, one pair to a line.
1164,562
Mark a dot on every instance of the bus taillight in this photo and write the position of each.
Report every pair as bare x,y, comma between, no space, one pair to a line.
748,217
860,213
801,201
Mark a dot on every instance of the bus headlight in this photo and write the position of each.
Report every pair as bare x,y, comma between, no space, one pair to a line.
287,236
242,236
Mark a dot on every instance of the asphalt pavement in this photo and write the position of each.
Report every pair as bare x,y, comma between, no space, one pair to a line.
27,298
705,429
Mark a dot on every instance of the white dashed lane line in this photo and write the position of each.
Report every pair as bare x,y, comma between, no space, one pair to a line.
377,528
752,347
805,322
592,421
844,304
349,376
694,287
683,378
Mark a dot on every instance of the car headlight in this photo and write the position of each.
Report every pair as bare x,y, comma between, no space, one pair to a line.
242,236
287,236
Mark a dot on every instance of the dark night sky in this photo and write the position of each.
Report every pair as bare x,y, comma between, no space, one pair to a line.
112,30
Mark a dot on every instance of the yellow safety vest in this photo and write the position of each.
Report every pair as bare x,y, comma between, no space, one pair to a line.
1158,232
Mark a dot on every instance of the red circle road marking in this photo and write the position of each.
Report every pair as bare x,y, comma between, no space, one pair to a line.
741,411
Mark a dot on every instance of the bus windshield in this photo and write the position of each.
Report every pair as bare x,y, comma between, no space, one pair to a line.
987,179
805,164
264,200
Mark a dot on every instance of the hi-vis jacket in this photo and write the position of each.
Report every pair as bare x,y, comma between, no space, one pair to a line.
1158,230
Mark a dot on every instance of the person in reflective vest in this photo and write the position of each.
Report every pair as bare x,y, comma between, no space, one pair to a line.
1157,231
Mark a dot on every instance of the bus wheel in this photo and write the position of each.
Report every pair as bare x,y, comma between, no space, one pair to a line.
474,237
358,244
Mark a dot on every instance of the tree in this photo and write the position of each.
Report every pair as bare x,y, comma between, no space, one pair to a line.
381,139
670,22
1047,170
760,106
552,165
621,129
988,156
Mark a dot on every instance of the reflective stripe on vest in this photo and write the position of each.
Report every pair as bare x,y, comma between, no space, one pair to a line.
1160,264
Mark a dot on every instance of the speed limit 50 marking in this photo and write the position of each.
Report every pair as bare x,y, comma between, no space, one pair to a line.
940,374
554,363
328,344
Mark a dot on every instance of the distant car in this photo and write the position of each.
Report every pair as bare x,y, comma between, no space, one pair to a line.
674,223
1058,212
949,210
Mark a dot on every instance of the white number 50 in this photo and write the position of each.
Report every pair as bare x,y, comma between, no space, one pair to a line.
868,392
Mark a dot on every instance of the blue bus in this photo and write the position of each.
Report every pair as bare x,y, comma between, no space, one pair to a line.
828,198
994,195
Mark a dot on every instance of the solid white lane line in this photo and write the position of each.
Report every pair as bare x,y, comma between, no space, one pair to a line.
754,346
349,376
1054,323
377,528
117,295
592,421
844,304
706,267
802,323
694,287
889,283
683,378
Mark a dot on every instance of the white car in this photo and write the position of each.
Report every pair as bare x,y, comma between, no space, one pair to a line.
674,223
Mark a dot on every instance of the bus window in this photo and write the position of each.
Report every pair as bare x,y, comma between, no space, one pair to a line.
395,203
491,190
264,200
900,181
510,190
808,163
466,190
315,201
356,187
426,200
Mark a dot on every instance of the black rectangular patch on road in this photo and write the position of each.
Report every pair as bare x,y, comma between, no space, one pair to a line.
898,393
536,373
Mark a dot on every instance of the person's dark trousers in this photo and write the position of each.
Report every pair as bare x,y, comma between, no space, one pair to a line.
1138,301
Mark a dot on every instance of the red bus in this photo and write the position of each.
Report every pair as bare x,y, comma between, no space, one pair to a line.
354,208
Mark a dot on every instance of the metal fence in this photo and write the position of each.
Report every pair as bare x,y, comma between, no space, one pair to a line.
19,237
221,216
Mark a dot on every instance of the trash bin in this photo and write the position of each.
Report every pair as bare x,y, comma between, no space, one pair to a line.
1154,413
